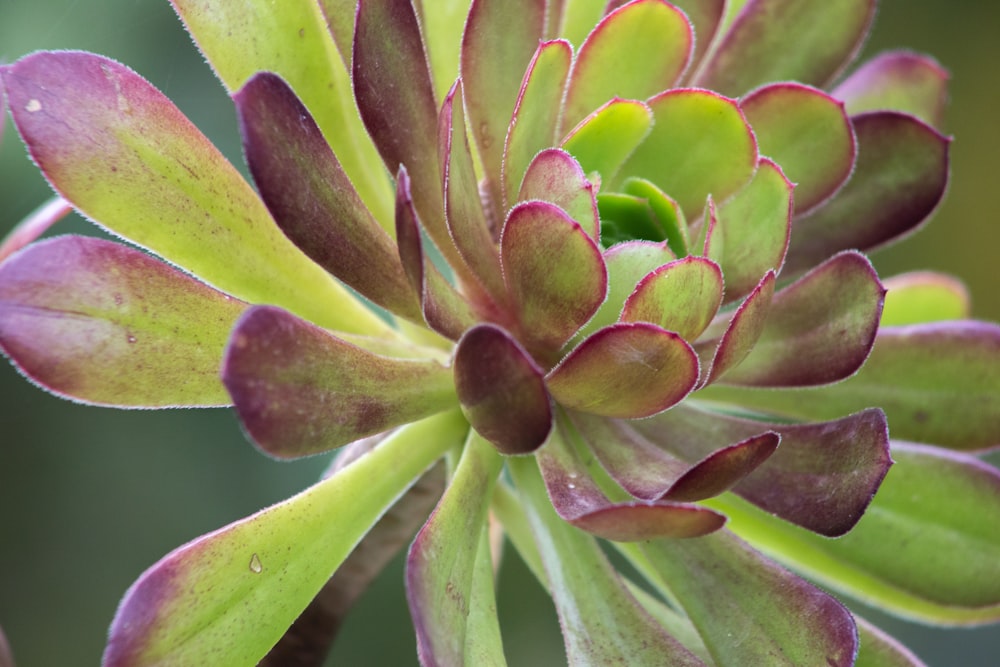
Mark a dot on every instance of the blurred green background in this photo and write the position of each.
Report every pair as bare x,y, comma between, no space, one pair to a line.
89,498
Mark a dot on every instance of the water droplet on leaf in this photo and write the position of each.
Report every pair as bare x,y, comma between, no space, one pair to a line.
255,565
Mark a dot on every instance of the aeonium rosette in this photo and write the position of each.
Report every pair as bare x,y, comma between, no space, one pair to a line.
626,241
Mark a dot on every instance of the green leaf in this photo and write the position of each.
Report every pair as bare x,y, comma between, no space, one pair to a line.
682,296
934,510
924,296
721,351
669,218
900,81
602,622
234,592
442,22
608,136
880,650
125,156
103,323
291,39
443,560
555,177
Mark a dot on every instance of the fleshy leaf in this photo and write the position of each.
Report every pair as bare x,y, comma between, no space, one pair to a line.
707,143
778,618
499,41
124,155
880,650
705,17
608,136
252,578
103,323
554,271
627,264
899,178
822,477
924,296
669,218
740,335
467,224
441,563
650,44
919,523
445,310
900,81
554,176
938,383
626,371
786,40
753,229
819,329
299,390
808,133
442,23
311,198
602,622
682,296
502,390
292,39
37,223
536,113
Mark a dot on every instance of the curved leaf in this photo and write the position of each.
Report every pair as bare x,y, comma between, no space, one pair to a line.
682,296
741,333
602,141
37,223
900,81
555,177
880,650
924,296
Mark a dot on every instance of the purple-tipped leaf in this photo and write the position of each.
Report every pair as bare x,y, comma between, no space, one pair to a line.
37,223
822,477
536,113
808,133
311,198
820,328
706,141
627,264
554,176
682,296
554,271
124,155
787,40
625,371
649,43
898,181
298,390
103,323
780,619
501,390
900,81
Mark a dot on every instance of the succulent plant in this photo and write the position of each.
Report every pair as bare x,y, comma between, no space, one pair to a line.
588,275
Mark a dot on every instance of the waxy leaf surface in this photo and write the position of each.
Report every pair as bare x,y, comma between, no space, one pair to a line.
878,649
311,198
37,223
608,136
125,156
741,333
924,296
103,323
554,176
626,371
236,591
899,178
627,264
682,296
299,390
901,81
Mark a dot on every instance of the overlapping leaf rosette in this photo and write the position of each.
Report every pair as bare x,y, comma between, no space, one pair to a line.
621,292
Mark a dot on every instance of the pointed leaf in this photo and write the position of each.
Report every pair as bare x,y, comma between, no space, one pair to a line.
37,223
899,178
536,113
901,81
235,591
626,371
938,383
608,136
880,650
554,176
700,144
820,328
467,224
445,310
924,296
650,44
753,229
292,39
822,477
299,390
728,590
808,133
500,38
441,563
723,468
682,296
901,557
102,323
442,23
311,198
124,155
501,390
741,333
554,271
602,622
815,41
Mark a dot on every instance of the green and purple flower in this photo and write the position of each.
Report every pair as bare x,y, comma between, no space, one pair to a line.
604,259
